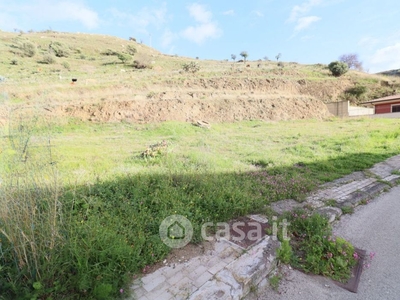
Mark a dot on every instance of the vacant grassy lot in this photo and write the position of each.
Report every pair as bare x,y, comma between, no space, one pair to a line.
81,207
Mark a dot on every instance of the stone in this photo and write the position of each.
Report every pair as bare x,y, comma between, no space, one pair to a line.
283,206
332,213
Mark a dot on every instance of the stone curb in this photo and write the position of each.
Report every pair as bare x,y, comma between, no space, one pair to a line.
227,273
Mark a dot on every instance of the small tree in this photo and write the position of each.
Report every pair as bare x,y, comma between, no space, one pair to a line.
244,54
278,56
338,68
266,58
352,61
124,58
233,56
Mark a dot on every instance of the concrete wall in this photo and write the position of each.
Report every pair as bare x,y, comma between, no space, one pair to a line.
339,109
360,111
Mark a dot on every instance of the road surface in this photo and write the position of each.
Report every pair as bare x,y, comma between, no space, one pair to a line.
374,227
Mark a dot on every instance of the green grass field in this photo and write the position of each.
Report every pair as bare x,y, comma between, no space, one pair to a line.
103,212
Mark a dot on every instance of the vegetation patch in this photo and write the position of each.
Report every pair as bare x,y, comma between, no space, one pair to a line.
315,249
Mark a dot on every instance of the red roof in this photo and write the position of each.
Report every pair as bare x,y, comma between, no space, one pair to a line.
393,98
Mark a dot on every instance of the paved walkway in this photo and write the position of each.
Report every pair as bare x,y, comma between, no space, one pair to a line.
229,272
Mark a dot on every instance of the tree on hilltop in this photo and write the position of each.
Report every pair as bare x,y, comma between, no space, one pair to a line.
244,54
352,61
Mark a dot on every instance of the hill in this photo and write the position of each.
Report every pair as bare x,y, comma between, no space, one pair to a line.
37,69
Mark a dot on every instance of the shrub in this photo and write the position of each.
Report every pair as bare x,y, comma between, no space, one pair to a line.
338,68
141,65
109,52
66,65
192,67
233,56
48,59
59,49
124,58
131,50
28,49
14,62
357,91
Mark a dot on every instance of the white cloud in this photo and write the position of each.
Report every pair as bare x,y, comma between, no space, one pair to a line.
50,11
386,58
144,18
302,9
204,29
305,22
199,13
201,32
230,12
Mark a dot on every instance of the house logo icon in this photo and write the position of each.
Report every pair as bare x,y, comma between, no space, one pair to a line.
176,231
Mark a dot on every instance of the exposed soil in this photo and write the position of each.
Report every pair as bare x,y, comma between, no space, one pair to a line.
190,110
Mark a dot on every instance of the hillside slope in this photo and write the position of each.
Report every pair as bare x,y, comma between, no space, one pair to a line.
37,69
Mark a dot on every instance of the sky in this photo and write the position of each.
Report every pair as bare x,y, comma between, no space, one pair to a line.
303,31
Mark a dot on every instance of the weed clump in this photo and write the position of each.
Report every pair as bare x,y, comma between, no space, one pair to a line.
316,250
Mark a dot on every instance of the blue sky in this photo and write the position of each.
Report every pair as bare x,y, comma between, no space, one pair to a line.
304,31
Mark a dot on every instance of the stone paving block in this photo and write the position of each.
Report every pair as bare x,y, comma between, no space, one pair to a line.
139,292
183,289
352,199
206,276
213,290
392,178
374,188
160,292
195,273
216,268
176,278
382,169
170,271
332,213
227,277
153,280
283,206
251,267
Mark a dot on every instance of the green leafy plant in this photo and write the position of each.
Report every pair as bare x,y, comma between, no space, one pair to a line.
48,59
191,67
285,252
317,250
274,281
347,210
124,58
338,68
59,49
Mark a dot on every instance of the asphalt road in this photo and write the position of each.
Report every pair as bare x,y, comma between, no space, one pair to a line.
374,227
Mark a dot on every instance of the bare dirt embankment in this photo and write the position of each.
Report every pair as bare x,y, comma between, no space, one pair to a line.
211,110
